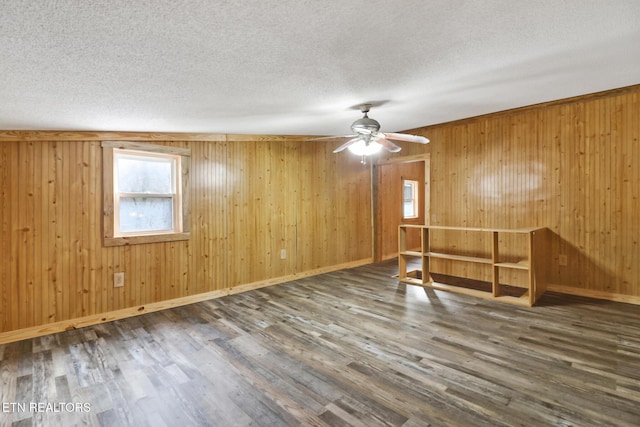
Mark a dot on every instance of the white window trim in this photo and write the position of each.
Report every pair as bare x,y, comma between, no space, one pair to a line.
111,235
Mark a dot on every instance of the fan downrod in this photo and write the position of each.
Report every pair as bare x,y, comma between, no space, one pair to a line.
365,108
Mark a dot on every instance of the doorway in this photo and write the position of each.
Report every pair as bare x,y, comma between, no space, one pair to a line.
401,197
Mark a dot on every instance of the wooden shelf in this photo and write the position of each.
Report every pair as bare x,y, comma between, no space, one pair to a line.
525,230
536,241
515,265
411,253
459,257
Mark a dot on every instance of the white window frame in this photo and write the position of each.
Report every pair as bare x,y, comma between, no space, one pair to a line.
179,157
414,198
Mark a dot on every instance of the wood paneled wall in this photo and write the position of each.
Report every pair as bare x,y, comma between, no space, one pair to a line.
572,166
251,197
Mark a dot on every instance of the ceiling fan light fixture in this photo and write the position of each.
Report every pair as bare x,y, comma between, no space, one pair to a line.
364,148
367,139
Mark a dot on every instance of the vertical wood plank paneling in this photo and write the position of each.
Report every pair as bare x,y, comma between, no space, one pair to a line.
209,226
549,159
169,282
77,226
136,286
237,202
52,232
37,233
27,230
114,294
14,212
634,197
8,153
5,246
199,181
629,186
289,169
249,265
85,241
93,244
308,171
625,165
334,208
64,214
41,259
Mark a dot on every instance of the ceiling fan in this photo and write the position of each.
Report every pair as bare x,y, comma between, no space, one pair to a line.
367,139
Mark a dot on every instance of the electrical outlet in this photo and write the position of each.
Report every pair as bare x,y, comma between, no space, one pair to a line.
562,260
118,280
283,254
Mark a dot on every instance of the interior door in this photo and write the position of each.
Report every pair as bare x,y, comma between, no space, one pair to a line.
391,200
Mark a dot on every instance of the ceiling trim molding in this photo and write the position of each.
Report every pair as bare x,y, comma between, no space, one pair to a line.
71,135
266,138
51,135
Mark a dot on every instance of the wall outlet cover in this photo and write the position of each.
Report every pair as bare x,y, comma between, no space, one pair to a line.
118,280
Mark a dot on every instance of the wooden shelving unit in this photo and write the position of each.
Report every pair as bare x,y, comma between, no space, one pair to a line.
536,241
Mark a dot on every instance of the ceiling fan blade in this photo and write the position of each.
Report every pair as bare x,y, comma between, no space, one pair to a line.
346,144
406,137
330,137
387,145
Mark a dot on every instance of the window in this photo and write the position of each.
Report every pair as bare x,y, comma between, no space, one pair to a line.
145,193
409,199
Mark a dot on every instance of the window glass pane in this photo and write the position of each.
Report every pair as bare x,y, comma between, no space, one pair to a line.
146,214
409,198
144,175
408,210
408,190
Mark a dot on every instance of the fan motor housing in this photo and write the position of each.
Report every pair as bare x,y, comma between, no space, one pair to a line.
365,125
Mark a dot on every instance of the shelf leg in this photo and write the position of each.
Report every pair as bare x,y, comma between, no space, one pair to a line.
426,275
402,267
533,293
495,256
402,246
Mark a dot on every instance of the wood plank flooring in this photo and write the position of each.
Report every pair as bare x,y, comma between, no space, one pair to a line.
348,348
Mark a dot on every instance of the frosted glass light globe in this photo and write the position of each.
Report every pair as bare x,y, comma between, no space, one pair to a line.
361,148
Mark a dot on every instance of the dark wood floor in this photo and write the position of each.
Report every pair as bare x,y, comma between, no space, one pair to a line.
346,348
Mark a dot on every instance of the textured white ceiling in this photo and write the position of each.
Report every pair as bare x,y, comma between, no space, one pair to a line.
297,66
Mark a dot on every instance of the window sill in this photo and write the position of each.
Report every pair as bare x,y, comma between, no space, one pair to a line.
414,220
136,240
